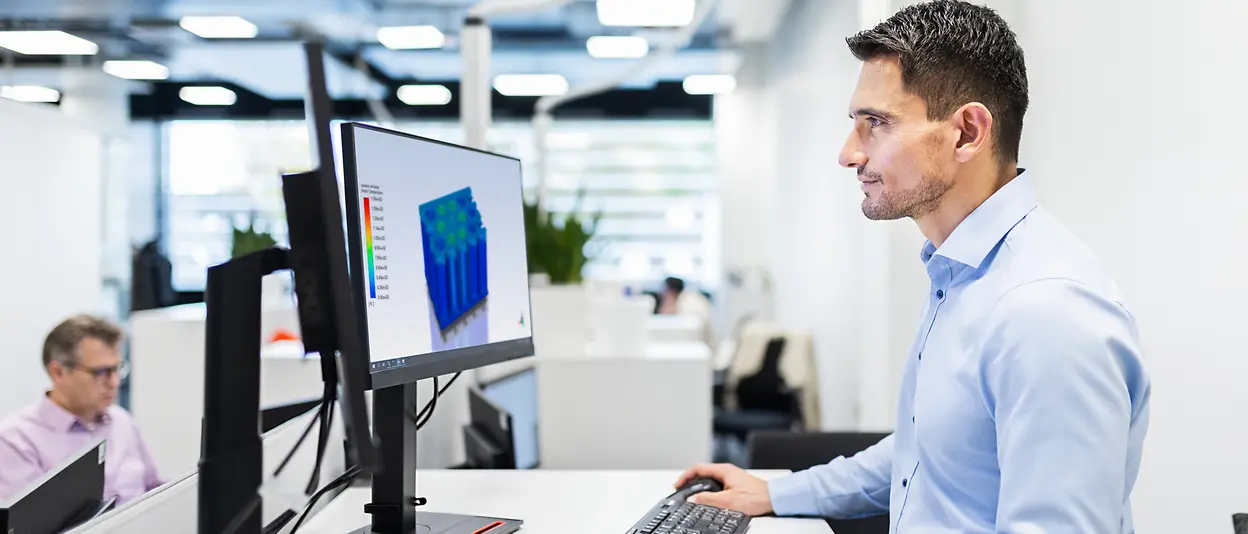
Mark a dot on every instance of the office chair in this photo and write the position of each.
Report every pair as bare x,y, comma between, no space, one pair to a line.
762,400
151,275
772,370
1240,521
771,449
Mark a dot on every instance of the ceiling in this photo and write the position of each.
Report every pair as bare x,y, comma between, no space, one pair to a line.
271,64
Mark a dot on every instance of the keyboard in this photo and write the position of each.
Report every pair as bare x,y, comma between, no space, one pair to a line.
675,515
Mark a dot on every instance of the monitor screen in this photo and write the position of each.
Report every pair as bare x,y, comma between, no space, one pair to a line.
438,246
517,394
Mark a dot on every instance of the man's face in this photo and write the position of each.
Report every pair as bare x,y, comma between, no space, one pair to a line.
905,162
80,385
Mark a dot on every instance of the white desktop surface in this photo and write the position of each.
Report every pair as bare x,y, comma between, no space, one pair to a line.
549,502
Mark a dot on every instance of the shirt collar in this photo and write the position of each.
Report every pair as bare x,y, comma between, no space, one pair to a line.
980,232
58,418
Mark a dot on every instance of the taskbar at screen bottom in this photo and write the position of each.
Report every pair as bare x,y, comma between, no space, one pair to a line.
387,365
397,371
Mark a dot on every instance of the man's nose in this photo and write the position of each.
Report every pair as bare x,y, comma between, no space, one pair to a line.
852,155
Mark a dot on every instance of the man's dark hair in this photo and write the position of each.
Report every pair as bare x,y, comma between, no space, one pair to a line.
62,342
675,285
952,53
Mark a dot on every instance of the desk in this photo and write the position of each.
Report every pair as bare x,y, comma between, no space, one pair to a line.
549,502
666,328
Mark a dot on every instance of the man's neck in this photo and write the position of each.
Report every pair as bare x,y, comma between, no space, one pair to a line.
958,203
87,415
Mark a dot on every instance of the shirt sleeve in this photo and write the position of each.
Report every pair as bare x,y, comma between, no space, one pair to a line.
843,488
1064,381
151,477
19,466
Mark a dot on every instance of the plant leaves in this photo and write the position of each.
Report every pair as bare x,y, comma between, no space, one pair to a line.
556,247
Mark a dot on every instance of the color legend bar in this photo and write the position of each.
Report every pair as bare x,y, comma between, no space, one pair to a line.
368,242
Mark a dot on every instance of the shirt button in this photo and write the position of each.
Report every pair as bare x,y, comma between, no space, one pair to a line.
912,419
903,482
940,293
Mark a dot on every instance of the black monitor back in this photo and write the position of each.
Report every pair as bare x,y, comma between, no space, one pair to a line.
318,255
488,437
63,497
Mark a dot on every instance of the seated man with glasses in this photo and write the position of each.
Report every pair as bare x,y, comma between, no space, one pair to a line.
83,358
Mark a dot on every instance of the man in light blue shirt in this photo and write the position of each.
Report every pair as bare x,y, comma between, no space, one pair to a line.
1024,402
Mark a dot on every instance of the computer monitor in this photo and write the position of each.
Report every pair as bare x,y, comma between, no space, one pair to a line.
231,470
67,495
488,439
516,394
318,257
437,253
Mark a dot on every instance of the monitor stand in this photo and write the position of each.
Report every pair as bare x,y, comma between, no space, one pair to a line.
394,488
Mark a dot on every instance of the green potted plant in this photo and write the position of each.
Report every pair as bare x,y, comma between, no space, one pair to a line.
250,240
556,246
556,251
274,287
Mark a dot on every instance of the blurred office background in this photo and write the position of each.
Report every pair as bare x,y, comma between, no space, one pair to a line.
142,124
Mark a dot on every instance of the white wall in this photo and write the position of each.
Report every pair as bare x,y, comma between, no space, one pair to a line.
789,207
50,169
1136,134
143,175
745,147
101,103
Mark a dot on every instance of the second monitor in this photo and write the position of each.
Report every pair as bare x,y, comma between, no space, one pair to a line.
437,252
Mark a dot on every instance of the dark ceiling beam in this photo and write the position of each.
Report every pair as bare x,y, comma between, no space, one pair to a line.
350,57
665,100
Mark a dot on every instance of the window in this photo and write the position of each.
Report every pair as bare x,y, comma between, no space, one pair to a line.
653,181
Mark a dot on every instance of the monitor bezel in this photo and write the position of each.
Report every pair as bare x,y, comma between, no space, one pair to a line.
429,364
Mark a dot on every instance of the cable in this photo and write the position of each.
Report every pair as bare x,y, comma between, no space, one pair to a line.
422,418
429,408
342,480
290,455
327,421
241,517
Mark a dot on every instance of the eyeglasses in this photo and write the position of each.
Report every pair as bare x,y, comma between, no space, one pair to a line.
104,373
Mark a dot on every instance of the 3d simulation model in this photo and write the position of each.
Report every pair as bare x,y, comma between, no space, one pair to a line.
455,262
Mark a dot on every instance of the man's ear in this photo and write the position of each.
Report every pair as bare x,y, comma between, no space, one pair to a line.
55,369
975,125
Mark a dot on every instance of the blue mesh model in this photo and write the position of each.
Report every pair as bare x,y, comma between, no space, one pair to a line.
454,243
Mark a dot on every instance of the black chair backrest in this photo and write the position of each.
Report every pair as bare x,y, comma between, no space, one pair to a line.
800,450
1241,523
765,390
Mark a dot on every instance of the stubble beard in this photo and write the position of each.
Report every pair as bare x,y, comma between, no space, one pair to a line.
910,203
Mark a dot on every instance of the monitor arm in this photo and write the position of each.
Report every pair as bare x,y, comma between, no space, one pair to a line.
231,458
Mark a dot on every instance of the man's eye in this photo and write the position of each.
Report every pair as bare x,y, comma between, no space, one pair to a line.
873,122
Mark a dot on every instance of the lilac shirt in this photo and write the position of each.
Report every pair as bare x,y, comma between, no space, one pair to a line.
41,436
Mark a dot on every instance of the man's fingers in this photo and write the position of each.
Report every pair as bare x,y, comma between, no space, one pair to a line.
714,471
718,499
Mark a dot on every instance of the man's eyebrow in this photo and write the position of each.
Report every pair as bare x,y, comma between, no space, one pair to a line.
877,113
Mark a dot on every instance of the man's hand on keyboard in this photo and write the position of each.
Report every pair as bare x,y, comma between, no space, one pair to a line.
743,492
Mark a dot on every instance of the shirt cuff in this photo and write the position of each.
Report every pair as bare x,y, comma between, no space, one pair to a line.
793,495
